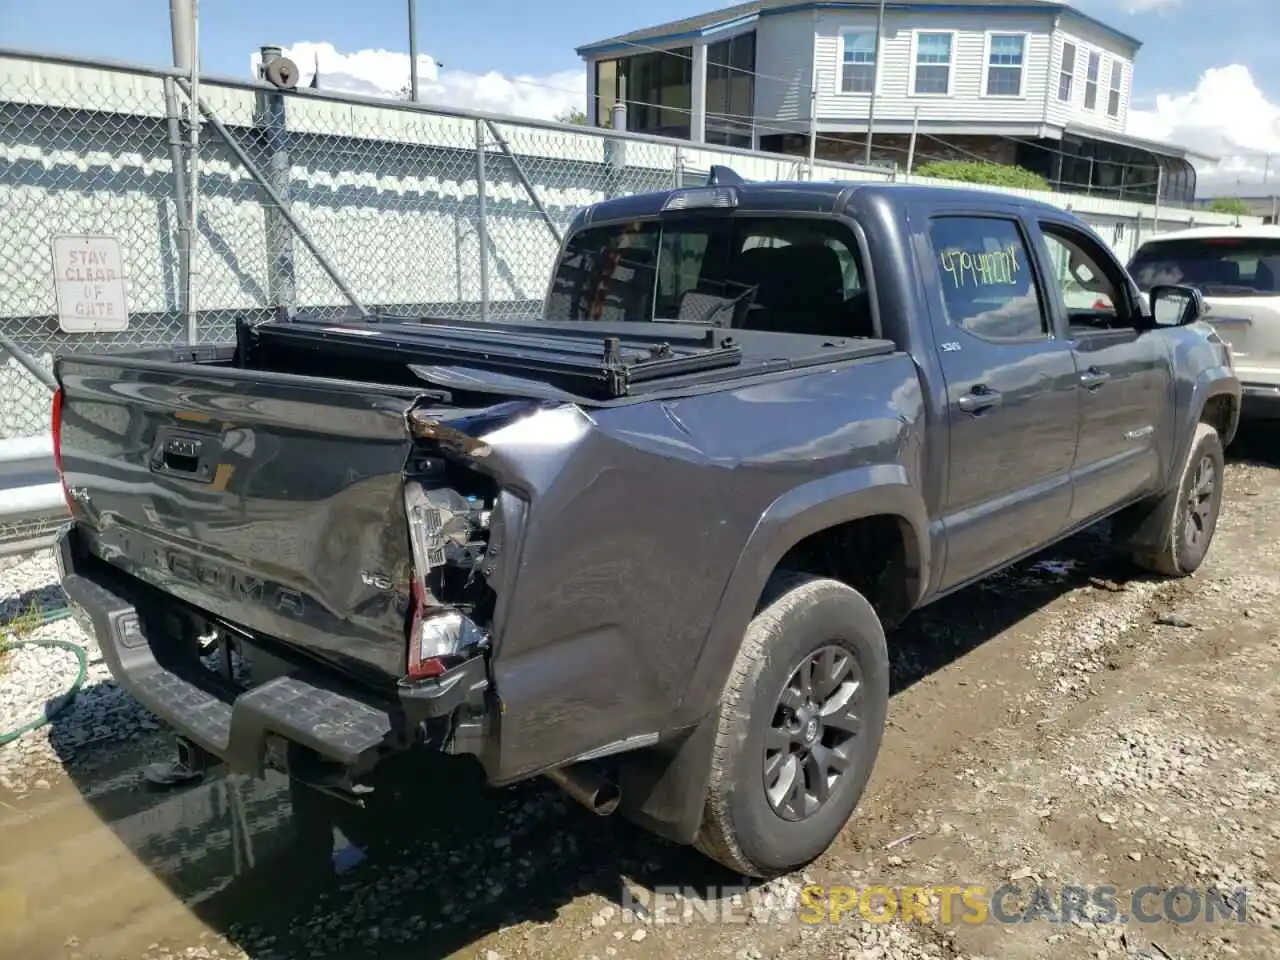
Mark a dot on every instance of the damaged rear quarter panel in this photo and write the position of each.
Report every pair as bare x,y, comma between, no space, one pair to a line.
634,528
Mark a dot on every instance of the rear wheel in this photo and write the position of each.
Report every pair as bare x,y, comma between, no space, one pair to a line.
1191,509
799,727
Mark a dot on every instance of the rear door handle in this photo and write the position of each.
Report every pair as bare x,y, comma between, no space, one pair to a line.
1093,378
979,400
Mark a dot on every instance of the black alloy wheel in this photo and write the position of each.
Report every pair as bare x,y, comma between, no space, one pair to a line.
813,734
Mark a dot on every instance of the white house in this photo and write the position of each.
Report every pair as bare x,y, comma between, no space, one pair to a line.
1029,82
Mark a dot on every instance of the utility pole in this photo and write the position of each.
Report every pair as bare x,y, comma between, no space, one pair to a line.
911,148
413,50
184,33
875,82
180,31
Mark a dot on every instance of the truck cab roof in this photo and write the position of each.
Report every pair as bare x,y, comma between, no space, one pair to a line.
817,197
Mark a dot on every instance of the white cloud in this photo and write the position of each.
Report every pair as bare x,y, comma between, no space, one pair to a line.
1145,6
385,73
1226,115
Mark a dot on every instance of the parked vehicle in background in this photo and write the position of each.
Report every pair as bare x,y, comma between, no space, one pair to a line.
647,544
1237,269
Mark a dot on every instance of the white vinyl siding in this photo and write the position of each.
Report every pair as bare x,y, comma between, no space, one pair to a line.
897,98
1088,43
784,64
857,60
1006,61
933,61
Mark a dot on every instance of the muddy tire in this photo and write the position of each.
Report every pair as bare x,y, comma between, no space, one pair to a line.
1191,509
799,727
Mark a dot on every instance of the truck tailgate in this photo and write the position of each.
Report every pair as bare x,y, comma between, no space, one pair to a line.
273,502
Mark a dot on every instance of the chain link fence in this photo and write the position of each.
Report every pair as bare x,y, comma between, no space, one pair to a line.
305,202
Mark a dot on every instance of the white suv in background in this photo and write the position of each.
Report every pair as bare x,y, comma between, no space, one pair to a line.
1237,269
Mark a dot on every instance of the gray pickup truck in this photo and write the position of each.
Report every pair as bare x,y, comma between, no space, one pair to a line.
648,544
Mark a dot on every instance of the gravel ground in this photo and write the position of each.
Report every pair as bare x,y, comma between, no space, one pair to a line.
1063,724
32,676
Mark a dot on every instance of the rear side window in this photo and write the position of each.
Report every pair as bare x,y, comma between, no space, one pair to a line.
988,285
1219,266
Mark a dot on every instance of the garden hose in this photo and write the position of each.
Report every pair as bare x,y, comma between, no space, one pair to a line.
54,707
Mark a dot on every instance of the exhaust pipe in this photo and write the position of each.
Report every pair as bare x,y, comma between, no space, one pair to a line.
589,787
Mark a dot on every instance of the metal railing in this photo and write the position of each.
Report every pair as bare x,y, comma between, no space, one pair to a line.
31,503
308,201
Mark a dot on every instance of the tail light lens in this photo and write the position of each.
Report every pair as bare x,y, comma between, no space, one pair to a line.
56,431
440,635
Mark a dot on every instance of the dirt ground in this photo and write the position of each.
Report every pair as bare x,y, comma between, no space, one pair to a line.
1063,726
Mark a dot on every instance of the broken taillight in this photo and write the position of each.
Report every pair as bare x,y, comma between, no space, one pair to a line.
440,635
56,431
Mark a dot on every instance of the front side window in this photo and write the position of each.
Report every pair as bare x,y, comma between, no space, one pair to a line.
1080,276
858,61
1227,266
1004,65
933,63
988,285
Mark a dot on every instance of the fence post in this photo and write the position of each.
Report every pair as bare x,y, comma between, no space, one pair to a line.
482,226
615,148
270,123
173,125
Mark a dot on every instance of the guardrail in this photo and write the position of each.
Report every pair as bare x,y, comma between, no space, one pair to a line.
32,508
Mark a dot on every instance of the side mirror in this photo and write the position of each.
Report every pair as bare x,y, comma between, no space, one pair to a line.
1175,305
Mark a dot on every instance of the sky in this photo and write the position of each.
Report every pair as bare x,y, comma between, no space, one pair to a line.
1208,84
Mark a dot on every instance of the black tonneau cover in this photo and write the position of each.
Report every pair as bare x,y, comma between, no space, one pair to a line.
592,363
580,361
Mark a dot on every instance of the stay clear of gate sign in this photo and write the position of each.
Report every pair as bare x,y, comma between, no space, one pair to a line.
90,284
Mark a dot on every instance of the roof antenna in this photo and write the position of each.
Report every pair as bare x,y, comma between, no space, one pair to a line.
722,175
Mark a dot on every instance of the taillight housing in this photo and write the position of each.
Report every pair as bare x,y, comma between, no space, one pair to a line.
440,635
55,428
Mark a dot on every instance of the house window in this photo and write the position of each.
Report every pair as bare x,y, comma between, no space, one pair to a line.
1091,82
858,61
1067,72
1113,99
1004,64
933,63
731,70
606,91
659,91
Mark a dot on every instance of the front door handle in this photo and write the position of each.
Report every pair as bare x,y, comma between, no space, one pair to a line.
979,400
1093,378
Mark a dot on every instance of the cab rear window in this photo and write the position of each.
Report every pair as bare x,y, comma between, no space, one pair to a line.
791,275
1219,266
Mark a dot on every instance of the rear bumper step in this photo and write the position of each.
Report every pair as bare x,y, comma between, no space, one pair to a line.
308,707
1260,401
